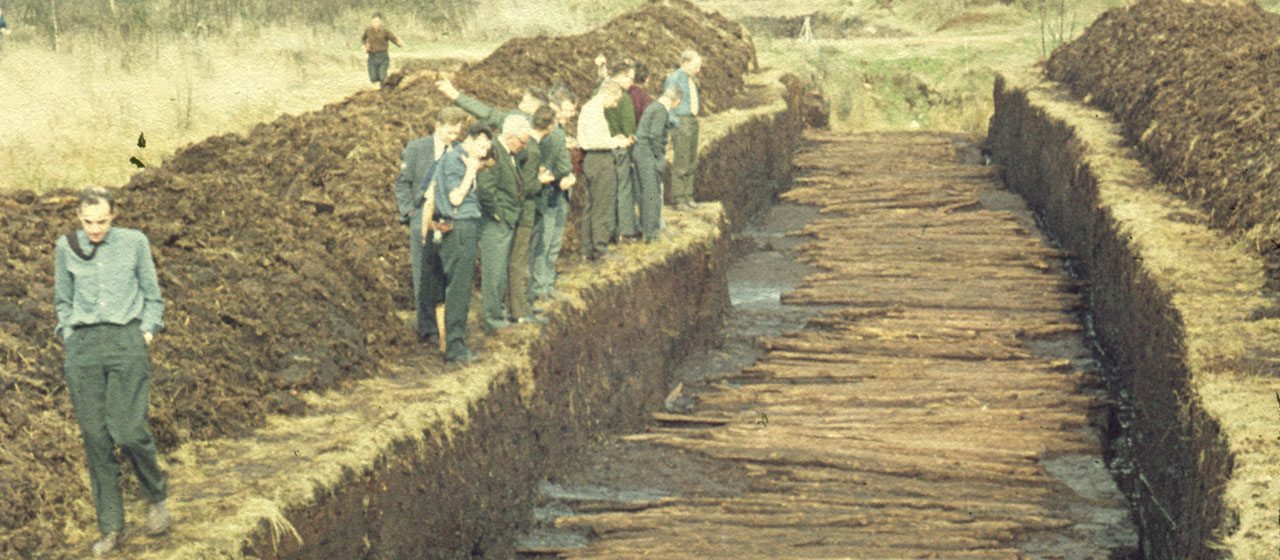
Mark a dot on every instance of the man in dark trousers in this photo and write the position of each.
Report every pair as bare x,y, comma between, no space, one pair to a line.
650,154
109,308
600,169
548,235
684,137
456,202
375,39
622,121
500,191
418,164
534,177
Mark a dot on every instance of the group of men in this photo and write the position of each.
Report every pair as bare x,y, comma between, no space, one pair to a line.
498,190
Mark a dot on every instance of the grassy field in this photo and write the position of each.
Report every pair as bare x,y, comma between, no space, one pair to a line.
916,65
73,117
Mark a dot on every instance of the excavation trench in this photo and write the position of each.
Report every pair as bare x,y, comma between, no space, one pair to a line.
906,411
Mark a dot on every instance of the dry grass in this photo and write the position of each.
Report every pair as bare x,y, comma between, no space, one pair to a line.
73,117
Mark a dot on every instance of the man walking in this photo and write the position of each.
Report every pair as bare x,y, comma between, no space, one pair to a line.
650,154
109,308
684,137
548,235
457,202
500,191
418,163
375,40
600,169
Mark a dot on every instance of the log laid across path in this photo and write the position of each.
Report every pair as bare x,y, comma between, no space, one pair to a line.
943,406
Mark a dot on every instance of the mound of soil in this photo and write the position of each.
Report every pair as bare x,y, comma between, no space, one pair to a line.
1193,85
280,257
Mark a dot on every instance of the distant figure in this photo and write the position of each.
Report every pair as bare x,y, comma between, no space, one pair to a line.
375,39
650,154
684,138
806,31
109,307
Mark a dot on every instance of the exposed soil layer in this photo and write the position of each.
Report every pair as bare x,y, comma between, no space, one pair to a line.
1179,309
908,412
280,258
1193,85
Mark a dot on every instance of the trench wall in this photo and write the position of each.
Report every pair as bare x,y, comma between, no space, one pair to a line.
1180,310
429,462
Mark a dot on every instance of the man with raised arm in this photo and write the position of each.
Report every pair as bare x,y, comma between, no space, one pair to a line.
529,102
109,308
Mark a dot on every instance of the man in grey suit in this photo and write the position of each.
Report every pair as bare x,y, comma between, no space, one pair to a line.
418,164
650,156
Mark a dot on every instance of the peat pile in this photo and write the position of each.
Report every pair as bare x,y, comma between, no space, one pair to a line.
1193,85
280,257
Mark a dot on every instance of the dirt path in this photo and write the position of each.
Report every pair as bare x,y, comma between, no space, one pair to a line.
938,405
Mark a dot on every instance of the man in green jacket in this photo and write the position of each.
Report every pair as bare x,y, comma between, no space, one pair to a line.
109,308
534,175
622,122
500,190
548,234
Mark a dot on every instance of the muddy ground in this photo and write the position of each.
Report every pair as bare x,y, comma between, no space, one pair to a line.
630,474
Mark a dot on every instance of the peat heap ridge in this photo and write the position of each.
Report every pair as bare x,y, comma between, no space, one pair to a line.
1193,85
280,257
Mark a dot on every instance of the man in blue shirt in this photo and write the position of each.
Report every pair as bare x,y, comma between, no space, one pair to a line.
458,203
109,308
418,164
684,135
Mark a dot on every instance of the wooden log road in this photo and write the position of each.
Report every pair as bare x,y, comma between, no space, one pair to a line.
919,415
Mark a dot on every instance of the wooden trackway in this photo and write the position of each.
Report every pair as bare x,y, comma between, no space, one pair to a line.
914,419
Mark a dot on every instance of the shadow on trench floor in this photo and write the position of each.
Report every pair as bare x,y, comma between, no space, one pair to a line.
616,474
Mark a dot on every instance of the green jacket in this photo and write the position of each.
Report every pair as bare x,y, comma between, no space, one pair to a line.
622,117
497,188
555,153
529,170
